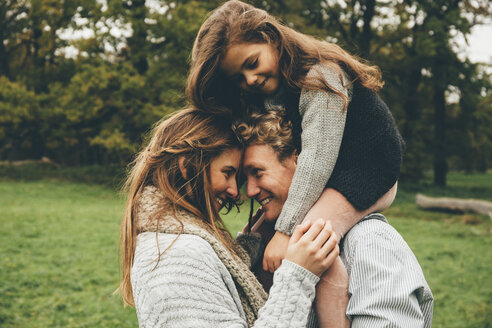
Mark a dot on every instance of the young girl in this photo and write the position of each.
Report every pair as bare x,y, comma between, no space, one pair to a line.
351,150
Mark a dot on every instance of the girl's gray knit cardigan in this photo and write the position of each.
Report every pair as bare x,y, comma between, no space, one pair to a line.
198,283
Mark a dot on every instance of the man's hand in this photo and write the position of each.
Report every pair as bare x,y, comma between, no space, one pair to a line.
275,251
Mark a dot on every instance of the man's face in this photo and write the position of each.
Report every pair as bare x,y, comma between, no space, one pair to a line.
268,179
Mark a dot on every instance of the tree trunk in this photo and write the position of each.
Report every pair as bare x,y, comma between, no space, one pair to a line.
138,41
366,35
454,204
412,110
440,164
4,59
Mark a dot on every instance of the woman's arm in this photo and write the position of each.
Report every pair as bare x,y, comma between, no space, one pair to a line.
191,287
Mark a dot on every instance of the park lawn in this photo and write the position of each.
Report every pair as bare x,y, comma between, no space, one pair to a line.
59,248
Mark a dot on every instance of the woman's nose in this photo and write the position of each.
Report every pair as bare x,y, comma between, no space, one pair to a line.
232,190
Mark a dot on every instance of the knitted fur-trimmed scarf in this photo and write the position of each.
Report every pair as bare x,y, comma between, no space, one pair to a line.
153,204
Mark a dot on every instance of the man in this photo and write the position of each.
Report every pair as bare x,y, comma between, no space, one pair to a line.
386,285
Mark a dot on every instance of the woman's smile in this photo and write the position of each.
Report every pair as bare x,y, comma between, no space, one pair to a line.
223,170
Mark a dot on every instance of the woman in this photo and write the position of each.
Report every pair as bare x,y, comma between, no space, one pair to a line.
180,265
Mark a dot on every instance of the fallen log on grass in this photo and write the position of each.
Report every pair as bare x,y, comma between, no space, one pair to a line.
43,160
454,204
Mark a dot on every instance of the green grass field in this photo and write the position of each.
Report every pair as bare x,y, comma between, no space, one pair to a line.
60,265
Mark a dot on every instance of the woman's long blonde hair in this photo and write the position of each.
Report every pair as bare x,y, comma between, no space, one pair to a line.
199,138
236,22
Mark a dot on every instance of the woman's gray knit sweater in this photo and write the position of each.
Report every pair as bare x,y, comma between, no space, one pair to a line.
191,287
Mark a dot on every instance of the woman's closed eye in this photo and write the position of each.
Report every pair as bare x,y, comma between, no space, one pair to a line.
229,172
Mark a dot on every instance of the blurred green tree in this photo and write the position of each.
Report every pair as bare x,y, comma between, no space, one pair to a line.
82,81
414,44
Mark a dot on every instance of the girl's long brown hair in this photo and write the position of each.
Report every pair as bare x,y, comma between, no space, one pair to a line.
197,136
236,22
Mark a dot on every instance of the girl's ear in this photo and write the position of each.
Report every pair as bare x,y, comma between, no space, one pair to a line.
182,168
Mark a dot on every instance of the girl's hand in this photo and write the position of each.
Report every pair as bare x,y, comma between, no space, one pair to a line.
313,246
275,251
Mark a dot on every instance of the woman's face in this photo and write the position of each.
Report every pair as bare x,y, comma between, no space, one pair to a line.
252,66
223,170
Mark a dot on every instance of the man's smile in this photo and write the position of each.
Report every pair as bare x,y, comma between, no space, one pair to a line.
265,201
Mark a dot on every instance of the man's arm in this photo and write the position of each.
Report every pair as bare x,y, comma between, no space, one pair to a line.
386,285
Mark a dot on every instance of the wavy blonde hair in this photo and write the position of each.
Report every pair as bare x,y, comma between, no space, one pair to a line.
200,138
236,22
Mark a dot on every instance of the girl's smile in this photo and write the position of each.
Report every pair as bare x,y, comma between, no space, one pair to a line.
252,66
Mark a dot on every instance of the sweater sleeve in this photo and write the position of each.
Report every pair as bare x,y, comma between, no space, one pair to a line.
291,297
190,287
323,123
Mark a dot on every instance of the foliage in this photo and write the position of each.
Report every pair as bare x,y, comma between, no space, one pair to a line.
21,125
414,42
110,176
88,100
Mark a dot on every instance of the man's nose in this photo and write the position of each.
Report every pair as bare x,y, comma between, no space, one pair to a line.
252,189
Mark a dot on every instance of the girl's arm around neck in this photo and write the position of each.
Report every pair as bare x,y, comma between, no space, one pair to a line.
323,123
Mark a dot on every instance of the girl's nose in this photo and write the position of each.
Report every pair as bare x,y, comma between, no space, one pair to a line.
251,79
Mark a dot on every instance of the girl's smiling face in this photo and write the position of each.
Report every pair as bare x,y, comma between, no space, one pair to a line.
252,66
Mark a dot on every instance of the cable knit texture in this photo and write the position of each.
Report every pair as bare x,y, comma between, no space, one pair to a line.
197,282
357,151
323,123
370,156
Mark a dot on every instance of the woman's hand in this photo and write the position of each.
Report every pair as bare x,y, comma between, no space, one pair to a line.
313,246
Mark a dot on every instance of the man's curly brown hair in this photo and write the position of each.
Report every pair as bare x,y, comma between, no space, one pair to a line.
270,127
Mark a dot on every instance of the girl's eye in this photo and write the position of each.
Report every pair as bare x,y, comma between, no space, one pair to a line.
253,64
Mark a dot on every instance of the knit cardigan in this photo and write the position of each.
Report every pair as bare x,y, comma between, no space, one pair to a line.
198,282
357,151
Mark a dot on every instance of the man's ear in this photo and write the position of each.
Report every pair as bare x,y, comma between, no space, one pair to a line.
182,168
294,156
